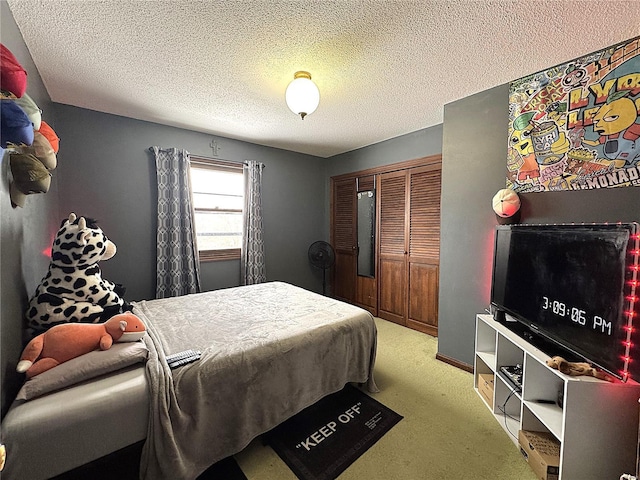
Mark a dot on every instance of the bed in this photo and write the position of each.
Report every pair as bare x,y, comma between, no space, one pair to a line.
268,351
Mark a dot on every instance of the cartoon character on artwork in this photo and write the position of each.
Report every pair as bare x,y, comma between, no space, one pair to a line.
581,161
616,123
520,143
575,135
537,143
557,112
575,76
549,140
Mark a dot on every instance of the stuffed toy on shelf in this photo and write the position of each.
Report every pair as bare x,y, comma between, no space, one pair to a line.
576,369
73,290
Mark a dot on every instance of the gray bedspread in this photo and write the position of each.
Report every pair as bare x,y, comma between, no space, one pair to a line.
268,351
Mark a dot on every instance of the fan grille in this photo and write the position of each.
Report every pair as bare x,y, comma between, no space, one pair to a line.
321,254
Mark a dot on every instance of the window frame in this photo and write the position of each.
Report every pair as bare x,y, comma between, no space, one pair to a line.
215,164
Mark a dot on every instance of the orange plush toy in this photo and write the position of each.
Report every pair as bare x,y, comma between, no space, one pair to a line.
64,342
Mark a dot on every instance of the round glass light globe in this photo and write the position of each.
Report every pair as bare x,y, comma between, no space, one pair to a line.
302,96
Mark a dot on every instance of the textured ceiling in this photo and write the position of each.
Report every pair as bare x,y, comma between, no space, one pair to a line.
384,68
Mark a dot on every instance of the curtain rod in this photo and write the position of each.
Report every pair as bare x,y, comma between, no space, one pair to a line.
239,162
202,157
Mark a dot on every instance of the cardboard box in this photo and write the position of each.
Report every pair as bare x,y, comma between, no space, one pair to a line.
542,452
485,387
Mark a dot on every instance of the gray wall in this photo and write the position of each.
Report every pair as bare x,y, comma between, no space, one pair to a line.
421,143
109,174
25,233
473,168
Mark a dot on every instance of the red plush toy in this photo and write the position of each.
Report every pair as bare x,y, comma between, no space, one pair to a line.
64,342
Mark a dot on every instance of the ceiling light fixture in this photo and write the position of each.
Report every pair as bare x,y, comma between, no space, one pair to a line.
302,94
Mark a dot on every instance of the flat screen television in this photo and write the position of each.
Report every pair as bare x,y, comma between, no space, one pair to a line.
575,286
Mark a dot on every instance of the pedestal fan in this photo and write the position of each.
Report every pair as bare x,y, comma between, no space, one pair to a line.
321,255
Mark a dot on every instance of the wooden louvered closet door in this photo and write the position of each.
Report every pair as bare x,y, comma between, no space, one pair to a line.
424,249
343,238
392,257
407,237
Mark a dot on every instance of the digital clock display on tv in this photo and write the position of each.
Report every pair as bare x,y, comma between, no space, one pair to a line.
577,315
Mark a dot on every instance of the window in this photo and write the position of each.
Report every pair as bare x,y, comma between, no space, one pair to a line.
218,198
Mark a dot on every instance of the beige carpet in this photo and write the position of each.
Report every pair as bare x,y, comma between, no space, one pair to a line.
447,432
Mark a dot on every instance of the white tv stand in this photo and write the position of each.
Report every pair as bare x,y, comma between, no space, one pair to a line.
597,425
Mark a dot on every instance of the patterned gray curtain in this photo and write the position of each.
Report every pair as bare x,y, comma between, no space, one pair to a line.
177,254
252,253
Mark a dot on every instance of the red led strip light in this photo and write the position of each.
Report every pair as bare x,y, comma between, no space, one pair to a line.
631,297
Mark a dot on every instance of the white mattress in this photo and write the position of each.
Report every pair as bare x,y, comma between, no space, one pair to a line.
60,431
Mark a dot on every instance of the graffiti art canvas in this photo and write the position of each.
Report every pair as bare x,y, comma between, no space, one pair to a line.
576,126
